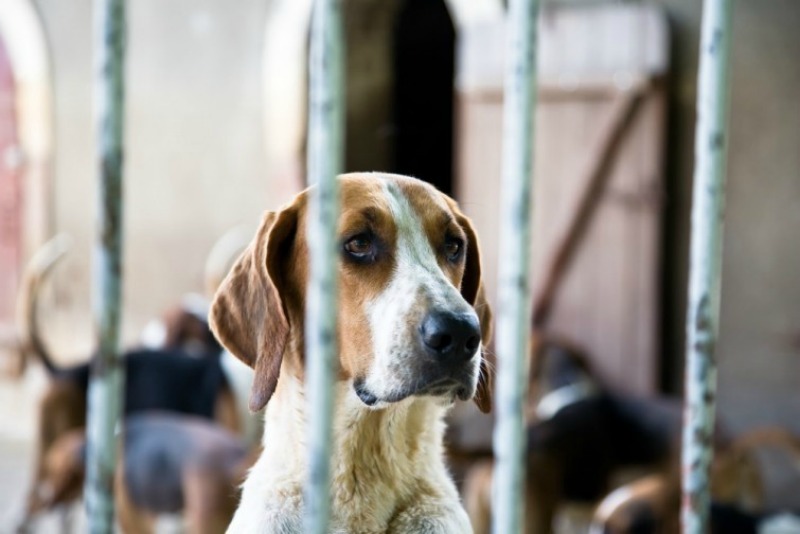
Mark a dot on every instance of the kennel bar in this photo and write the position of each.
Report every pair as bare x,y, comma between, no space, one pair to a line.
107,374
514,310
702,318
325,153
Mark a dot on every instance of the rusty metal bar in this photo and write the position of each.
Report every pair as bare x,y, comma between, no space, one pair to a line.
107,378
513,325
702,319
325,151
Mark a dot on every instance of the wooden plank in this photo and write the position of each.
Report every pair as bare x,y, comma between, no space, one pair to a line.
593,180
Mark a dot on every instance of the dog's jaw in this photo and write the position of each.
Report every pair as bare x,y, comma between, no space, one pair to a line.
392,455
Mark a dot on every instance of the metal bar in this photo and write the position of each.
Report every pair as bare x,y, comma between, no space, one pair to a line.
513,325
106,384
325,149
705,264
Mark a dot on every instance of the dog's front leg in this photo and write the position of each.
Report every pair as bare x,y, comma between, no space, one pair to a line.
266,520
431,517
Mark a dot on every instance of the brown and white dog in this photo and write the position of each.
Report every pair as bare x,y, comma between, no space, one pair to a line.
652,504
166,378
169,464
580,437
412,320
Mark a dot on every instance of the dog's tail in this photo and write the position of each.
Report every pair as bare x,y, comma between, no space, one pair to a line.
36,272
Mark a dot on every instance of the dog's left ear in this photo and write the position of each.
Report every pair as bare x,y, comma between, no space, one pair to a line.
249,314
473,292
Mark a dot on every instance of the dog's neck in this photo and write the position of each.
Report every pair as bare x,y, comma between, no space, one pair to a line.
558,399
387,453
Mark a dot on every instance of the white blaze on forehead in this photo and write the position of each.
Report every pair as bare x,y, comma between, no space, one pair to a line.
413,248
416,269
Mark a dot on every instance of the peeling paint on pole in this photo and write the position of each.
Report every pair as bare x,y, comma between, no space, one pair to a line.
325,151
702,319
514,309
107,378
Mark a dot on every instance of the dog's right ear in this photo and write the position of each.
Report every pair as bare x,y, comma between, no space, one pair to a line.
248,314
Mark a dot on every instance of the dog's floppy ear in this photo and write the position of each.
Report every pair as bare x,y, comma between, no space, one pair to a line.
473,292
248,314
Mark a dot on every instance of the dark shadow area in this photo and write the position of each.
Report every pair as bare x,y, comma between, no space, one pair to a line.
423,98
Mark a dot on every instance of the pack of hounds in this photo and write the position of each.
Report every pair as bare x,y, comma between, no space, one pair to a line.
190,442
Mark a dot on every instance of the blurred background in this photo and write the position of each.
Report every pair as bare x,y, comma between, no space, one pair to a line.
215,135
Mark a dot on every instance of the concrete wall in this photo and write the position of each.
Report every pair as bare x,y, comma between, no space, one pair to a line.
195,158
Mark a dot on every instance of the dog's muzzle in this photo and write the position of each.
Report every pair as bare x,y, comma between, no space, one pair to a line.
448,344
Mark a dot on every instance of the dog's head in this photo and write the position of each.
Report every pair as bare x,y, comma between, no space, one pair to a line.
412,315
560,375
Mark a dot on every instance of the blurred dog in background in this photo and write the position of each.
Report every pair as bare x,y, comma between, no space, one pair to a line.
184,375
582,436
170,464
651,505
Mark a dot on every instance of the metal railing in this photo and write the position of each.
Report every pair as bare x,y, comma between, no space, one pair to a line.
325,152
107,376
702,316
514,295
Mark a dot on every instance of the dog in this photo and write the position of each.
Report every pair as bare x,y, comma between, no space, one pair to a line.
581,436
156,379
169,464
412,320
184,327
652,504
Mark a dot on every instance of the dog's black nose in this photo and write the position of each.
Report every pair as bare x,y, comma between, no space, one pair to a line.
454,338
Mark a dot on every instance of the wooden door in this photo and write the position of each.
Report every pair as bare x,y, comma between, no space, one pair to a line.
608,301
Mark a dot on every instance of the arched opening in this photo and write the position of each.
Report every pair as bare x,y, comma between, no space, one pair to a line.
26,132
424,69
400,90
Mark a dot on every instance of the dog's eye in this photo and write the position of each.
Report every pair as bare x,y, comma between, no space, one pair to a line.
453,247
361,247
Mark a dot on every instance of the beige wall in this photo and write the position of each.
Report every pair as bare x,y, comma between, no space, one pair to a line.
194,161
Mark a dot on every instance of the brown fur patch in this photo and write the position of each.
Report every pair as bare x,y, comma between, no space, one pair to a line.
364,209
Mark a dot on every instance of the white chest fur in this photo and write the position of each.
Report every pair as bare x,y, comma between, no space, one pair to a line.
388,474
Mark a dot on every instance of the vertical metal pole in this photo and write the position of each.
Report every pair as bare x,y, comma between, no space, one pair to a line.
513,325
705,264
325,134
106,384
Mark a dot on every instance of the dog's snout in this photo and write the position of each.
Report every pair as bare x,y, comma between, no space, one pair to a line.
454,338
